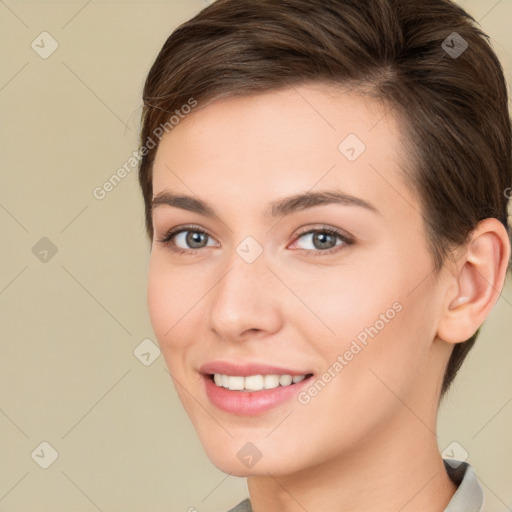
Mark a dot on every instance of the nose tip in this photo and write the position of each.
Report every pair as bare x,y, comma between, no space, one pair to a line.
245,300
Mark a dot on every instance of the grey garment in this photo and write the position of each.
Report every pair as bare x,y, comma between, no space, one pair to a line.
243,506
467,498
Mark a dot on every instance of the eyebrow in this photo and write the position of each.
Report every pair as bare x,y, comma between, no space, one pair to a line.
277,208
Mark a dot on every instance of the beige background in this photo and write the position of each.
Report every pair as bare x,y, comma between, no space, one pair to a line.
70,325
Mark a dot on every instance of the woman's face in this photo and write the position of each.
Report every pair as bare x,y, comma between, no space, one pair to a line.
267,293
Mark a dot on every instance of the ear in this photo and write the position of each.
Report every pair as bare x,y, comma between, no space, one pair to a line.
478,278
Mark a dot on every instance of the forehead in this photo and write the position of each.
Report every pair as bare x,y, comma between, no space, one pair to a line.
283,142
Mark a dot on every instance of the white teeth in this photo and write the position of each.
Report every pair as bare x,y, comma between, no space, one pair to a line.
236,383
270,381
285,380
255,382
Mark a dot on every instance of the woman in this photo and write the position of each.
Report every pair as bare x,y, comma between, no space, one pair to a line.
325,193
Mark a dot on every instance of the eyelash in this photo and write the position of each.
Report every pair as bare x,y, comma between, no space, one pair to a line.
167,240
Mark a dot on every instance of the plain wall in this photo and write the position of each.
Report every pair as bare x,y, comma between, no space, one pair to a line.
70,323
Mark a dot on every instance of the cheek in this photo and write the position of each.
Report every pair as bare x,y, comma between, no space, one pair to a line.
160,300
387,357
371,319
342,301
363,375
171,297
171,302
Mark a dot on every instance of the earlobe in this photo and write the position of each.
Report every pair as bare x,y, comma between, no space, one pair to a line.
479,277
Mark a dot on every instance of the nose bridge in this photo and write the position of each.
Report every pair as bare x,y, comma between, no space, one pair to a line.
244,296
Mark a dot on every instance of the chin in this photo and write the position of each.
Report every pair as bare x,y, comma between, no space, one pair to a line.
234,467
245,460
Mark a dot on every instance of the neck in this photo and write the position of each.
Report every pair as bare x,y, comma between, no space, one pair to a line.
398,468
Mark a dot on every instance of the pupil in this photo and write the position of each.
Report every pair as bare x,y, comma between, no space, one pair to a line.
321,237
195,238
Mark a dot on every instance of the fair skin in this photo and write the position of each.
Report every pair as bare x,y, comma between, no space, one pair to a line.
367,441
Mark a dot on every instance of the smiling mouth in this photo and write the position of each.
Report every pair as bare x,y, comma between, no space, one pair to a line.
252,383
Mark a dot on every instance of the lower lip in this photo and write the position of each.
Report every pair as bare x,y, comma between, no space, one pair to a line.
250,403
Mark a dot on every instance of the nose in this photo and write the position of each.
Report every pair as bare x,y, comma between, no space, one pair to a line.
246,301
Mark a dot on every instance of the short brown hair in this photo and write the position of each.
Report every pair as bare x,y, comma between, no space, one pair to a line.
451,99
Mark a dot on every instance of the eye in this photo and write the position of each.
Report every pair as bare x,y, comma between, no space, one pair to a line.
186,239
324,241
189,239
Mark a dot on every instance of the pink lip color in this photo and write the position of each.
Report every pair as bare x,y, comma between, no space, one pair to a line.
249,403
247,369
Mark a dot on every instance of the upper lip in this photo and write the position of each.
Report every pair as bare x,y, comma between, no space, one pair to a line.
246,369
